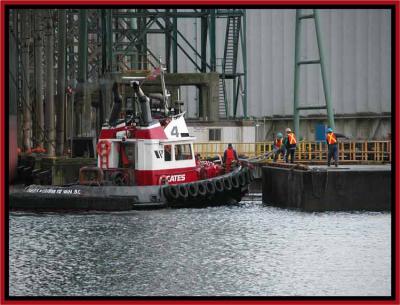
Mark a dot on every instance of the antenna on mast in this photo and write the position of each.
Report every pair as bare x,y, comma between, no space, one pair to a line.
163,88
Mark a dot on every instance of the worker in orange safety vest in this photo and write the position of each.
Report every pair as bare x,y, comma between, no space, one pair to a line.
279,148
229,156
290,143
331,140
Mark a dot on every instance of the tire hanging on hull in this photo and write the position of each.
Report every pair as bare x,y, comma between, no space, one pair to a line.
171,192
193,189
202,189
235,181
219,185
227,183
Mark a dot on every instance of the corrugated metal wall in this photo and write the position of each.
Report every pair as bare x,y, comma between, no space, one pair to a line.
357,44
357,47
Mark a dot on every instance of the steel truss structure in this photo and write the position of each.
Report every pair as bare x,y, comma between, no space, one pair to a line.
55,50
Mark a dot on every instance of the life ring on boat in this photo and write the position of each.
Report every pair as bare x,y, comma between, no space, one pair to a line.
103,148
202,189
163,180
172,192
227,183
183,191
210,187
193,189
235,181
219,185
242,178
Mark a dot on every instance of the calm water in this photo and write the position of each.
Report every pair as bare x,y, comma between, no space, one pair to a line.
246,250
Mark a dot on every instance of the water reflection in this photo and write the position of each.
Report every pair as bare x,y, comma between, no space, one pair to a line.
246,250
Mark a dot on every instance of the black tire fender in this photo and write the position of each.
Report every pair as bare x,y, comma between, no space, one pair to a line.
242,178
202,189
193,189
210,187
227,183
235,181
219,185
183,191
172,192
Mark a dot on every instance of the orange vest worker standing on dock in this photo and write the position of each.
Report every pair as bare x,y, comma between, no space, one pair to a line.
290,143
229,155
279,148
332,147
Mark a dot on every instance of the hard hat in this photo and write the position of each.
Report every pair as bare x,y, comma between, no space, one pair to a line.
288,130
329,130
230,145
279,135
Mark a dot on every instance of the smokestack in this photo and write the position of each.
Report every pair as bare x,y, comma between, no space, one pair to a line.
144,104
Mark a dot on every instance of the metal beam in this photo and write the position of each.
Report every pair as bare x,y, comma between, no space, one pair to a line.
308,16
311,107
39,112
26,102
212,41
103,42
13,64
225,13
84,106
109,42
168,43
244,58
204,30
83,46
296,112
175,39
162,14
61,66
180,47
331,119
175,43
309,62
49,113
71,75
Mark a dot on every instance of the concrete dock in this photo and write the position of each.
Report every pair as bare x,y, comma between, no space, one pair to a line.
319,188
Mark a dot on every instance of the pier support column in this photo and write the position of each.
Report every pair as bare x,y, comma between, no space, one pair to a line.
13,91
39,111
71,117
49,117
26,102
204,102
84,104
62,20
213,96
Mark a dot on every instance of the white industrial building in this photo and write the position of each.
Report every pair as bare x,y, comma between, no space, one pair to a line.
357,47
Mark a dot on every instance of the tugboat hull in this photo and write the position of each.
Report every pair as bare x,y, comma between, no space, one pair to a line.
226,189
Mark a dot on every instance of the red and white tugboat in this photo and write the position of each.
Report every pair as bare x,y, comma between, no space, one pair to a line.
145,159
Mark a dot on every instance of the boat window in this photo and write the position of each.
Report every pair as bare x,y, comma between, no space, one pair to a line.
127,151
183,152
214,134
167,152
